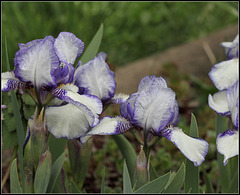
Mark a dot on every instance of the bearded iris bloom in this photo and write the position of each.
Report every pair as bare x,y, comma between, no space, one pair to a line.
44,69
153,110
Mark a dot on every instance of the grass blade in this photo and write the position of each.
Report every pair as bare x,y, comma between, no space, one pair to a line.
177,182
93,47
56,168
192,172
155,186
127,186
14,182
128,153
103,182
19,126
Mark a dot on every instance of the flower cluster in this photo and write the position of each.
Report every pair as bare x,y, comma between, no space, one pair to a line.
225,76
72,99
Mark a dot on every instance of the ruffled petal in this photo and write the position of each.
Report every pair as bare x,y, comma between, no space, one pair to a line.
153,109
68,121
219,103
151,81
68,47
231,48
195,149
37,63
69,94
9,82
174,120
96,78
225,74
111,126
228,144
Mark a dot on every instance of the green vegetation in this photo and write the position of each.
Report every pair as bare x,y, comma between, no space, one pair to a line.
132,30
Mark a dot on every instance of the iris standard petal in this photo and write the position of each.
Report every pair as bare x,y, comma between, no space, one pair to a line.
225,74
219,103
110,126
68,47
9,82
231,48
228,144
37,63
97,79
151,81
68,121
153,109
195,149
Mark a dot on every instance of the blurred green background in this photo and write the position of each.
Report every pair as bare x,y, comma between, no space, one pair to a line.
132,30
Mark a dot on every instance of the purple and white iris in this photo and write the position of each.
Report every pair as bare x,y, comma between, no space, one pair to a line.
72,99
225,77
153,109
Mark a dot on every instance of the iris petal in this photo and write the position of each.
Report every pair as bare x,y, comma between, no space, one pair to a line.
97,79
37,63
225,74
9,82
153,109
218,102
228,144
195,149
68,47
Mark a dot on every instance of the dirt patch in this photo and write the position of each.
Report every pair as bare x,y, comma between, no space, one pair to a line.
196,57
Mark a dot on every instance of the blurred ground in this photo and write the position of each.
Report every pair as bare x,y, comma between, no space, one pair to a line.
196,58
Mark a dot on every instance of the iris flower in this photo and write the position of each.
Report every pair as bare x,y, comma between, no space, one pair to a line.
153,110
44,69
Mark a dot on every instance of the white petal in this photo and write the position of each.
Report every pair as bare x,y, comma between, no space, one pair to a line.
97,79
228,144
68,47
194,149
219,103
67,121
9,82
225,74
233,102
154,108
110,126
37,63
150,81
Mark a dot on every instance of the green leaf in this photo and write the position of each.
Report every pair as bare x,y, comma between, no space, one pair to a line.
56,168
153,173
74,188
233,184
224,171
155,186
209,187
177,182
93,47
103,182
79,156
127,186
43,173
192,172
56,146
18,124
14,181
128,153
